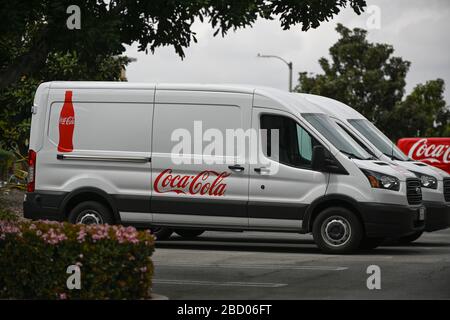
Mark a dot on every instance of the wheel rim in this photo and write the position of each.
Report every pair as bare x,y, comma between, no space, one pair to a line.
336,231
90,217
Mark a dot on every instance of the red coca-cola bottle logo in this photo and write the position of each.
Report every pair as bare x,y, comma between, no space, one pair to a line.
207,182
66,124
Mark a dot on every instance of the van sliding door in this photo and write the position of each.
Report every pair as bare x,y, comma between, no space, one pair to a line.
195,181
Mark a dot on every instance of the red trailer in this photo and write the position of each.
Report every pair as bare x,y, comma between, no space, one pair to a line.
434,151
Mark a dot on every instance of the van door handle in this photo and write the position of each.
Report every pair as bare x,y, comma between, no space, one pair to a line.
236,167
262,170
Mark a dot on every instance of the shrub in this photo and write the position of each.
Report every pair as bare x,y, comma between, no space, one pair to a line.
6,162
34,256
6,215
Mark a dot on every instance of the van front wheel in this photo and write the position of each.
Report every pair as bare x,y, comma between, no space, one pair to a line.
90,212
337,230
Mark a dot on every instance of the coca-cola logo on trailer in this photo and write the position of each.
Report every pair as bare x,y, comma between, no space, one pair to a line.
207,182
431,152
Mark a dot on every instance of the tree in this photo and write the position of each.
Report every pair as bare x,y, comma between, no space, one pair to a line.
37,28
423,112
367,77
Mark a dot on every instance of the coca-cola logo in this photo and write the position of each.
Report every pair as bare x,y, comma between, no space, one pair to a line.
431,152
207,182
67,120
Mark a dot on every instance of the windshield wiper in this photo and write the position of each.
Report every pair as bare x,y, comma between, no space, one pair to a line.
351,155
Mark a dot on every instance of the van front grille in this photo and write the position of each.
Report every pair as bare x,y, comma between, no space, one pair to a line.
413,191
447,189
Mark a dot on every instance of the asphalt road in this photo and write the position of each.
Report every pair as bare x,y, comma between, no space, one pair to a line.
253,265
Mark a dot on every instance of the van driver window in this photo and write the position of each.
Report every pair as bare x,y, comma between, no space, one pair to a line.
295,144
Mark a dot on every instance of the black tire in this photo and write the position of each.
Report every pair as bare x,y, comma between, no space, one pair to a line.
161,233
337,230
410,238
91,212
189,233
371,243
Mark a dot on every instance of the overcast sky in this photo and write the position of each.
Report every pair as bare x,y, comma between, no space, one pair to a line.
418,30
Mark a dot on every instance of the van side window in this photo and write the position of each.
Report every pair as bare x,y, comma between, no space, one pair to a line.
296,144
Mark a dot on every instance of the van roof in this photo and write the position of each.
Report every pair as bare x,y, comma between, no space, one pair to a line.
293,102
146,85
332,107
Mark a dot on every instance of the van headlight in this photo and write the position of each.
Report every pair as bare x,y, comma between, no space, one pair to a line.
426,181
381,180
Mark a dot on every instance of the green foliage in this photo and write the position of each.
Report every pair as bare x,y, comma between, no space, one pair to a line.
107,25
367,77
6,161
15,114
424,112
6,215
114,261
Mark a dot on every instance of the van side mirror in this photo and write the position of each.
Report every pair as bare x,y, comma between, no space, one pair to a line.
318,158
323,160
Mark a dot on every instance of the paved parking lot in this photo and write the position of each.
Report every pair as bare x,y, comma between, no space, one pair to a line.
253,265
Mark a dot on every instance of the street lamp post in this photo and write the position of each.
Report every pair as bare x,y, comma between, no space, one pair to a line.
289,64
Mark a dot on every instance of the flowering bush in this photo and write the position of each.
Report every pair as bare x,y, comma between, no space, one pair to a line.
114,261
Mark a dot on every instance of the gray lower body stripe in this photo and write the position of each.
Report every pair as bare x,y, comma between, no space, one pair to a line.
136,217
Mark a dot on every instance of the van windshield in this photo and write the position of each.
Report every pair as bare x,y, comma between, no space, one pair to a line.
336,135
378,139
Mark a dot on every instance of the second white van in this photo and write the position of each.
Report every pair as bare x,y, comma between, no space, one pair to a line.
435,182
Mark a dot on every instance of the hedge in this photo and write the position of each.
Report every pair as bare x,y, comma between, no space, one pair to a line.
7,215
114,261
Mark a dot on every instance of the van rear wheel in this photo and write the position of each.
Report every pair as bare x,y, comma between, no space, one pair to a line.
337,230
189,233
91,212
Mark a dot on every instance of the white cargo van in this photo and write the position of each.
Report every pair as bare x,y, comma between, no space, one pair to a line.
140,154
435,182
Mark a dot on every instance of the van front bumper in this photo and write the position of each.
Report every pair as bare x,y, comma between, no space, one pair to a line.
438,216
389,220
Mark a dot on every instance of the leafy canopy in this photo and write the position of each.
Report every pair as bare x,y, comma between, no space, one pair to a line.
35,28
